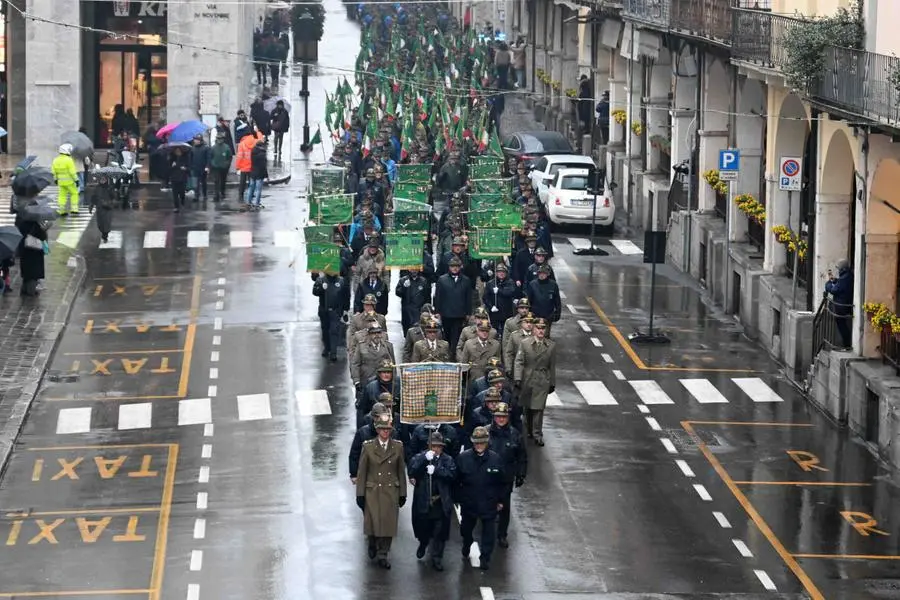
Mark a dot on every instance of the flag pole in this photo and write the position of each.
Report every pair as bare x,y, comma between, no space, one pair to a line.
321,141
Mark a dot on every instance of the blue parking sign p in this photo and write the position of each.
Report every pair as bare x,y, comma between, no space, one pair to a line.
729,160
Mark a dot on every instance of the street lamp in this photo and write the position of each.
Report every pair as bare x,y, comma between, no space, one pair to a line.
306,34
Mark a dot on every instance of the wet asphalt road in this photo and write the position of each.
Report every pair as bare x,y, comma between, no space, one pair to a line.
193,444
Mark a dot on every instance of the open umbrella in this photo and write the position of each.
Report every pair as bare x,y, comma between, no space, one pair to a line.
82,146
31,181
169,146
186,131
38,209
269,103
166,130
2,132
10,237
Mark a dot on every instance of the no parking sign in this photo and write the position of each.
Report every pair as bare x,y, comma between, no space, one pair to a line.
789,174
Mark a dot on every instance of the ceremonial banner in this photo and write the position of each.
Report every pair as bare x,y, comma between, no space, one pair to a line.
487,160
324,258
413,191
497,185
403,250
430,393
416,174
319,234
485,201
506,216
334,209
485,170
326,180
490,243
410,215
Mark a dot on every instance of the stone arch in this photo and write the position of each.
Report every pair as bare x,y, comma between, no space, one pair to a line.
835,206
881,218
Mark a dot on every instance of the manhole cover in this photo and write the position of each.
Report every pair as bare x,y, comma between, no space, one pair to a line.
682,439
883,588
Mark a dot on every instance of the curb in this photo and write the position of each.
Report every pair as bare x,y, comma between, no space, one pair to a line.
21,406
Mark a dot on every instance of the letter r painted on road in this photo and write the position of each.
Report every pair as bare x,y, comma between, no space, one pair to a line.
863,523
806,460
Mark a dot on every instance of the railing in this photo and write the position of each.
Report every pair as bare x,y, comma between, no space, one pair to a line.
859,83
655,12
721,205
710,19
890,349
758,36
756,233
832,326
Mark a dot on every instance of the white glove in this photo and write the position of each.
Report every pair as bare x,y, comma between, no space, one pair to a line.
429,455
495,309
490,273
496,289
430,469
406,283
324,286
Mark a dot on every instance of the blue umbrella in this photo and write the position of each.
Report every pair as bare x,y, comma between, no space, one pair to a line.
186,131
2,132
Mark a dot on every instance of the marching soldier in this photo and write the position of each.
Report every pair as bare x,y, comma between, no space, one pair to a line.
476,353
380,389
524,258
535,378
361,320
334,295
368,357
523,306
433,474
469,331
453,302
431,349
540,258
482,383
418,440
414,292
499,294
507,442
543,293
381,490
480,491
483,415
363,434
372,258
416,333
372,285
514,340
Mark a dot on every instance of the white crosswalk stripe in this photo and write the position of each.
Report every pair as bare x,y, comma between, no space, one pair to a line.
651,392
155,239
757,389
114,241
198,239
254,407
74,420
311,403
241,239
595,393
580,243
70,232
626,246
704,391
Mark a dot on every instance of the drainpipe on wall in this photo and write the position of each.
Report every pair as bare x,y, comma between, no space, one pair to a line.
698,118
811,215
532,31
630,83
860,276
732,143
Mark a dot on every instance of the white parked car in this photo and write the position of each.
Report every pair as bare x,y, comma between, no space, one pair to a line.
570,199
546,167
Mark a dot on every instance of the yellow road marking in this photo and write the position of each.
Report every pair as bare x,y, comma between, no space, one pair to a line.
751,423
162,531
763,527
98,447
132,352
638,362
110,398
849,556
61,594
189,339
88,511
822,483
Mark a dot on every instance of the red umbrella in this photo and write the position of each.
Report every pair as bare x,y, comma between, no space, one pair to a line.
165,130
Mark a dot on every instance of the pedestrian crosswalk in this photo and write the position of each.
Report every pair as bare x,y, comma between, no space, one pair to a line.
192,411
66,231
626,247
203,238
648,392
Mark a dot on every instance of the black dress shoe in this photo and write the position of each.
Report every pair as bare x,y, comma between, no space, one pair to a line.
371,550
484,564
503,542
384,563
324,353
420,551
437,564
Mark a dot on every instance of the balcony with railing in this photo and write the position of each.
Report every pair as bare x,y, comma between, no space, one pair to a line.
708,19
651,12
758,36
861,83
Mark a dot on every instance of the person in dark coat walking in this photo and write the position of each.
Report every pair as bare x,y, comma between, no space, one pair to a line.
241,127
498,297
261,117
334,292
414,292
480,492
281,123
543,294
179,170
524,258
433,474
507,442
31,260
372,284
219,164
418,439
585,103
381,388
453,302
103,198
200,162
602,112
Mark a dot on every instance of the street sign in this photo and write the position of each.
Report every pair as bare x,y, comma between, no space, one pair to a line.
789,175
729,164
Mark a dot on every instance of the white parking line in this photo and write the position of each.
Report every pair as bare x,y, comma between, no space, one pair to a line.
765,580
202,500
626,246
742,548
193,592
619,375
214,373
607,357
584,326
199,529
206,451
701,491
571,309
722,519
203,477
217,323
212,391
486,593
653,423
685,468
196,560
643,409
668,445
208,431
596,342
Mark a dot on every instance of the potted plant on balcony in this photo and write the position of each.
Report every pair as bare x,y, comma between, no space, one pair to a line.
750,206
712,179
882,319
895,327
806,46
870,308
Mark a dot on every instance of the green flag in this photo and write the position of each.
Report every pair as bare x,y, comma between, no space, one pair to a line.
316,139
403,250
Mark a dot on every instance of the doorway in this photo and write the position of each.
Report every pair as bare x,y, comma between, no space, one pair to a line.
136,79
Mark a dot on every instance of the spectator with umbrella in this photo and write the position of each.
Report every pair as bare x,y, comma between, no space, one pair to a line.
82,152
10,238
103,199
187,131
33,246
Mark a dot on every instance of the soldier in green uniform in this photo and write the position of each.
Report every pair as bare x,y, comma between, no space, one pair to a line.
431,349
535,378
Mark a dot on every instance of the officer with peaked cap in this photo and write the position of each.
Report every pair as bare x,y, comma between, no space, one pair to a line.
540,258
431,349
381,489
360,321
480,492
535,378
476,386
369,356
507,442
514,340
364,433
477,352
523,307
433,473
470,332
417,332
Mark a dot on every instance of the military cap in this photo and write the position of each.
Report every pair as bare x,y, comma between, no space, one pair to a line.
370,171
374,327
435,439
528,318
431,326
386,366
540,323
455,262
523,303
492,395
372,271
483,327
530,237
370,299
541,252
385,399
544,269
481,312
502,410
424,319
379,409
502,267
494,362
428,308
496,376
373,241
383,422
480,436
458,241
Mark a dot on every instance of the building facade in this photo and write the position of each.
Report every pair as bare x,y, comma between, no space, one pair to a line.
71,62
689,78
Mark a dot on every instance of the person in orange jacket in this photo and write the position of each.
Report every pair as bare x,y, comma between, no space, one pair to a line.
242,159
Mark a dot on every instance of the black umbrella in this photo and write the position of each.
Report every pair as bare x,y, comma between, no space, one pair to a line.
31,181
38,209
82,146
111,170
10,237
169,146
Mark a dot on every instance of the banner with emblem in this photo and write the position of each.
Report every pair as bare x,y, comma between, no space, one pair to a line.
410,215
333,210
485,169
507,216
325,180
430,393
491,243
319,234
416,174
323,258
403,250
417,192
496,185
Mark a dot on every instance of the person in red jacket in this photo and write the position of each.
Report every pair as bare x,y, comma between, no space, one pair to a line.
242,159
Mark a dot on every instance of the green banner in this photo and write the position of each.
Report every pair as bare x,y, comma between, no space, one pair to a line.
416,174
335,209
403,249
323,258
485,159
326,180
413,191
410,215
485,201
484,170
491,242
319,234
508,216
492,186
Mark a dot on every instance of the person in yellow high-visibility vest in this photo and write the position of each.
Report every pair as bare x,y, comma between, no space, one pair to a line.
66,177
